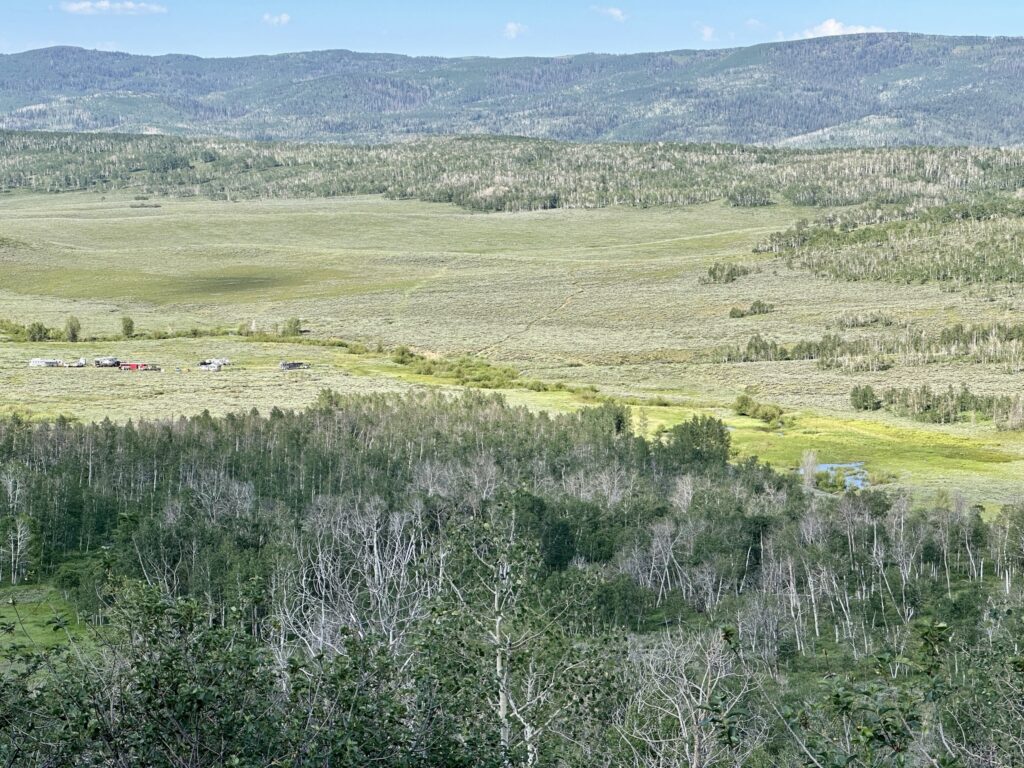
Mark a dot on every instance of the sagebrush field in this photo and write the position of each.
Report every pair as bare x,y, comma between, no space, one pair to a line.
618,298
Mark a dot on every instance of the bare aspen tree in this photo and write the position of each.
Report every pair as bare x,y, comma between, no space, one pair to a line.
907,538
682,494
18,541
218,495
360,568
10,480
687,691
809,468
541,677
664,568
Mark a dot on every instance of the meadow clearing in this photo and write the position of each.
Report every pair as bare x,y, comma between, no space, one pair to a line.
35,616
617,298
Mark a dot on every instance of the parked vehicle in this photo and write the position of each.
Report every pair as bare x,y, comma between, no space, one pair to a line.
213,364
107,362
292,366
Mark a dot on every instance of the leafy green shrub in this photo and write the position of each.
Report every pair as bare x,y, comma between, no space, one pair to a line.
72,329
703,441
831,481
864,398
404,356
864,320
37,332
467,371
719,272
745,405
758,307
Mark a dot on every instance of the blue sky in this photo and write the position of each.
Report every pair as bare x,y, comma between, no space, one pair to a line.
481,28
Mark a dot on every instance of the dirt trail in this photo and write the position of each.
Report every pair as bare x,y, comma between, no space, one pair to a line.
578,290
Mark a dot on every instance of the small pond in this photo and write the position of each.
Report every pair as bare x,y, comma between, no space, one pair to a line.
854,474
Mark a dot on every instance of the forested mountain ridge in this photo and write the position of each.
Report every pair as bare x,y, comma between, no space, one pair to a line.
839,91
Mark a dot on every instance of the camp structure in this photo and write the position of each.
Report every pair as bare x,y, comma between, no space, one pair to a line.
213,364
210,366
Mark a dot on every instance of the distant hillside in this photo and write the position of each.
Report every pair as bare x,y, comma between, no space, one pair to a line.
838,91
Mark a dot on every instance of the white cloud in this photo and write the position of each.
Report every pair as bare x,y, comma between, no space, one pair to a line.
707,34
514,29
831,27
276,20
615,14
753,23
124,8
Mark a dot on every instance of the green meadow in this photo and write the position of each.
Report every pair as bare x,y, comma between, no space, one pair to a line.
615,298
35,616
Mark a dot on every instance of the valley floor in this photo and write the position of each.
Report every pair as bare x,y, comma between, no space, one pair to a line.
615,298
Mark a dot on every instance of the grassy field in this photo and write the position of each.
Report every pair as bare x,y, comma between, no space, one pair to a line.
34,616
614,298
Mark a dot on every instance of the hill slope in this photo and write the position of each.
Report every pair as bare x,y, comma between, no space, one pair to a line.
855,90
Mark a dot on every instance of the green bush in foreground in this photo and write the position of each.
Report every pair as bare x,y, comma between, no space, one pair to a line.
165,682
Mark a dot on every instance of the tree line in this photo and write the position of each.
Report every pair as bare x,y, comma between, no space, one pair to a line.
511,174
993,343
961,243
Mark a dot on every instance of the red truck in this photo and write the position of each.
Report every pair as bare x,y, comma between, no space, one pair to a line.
139,367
